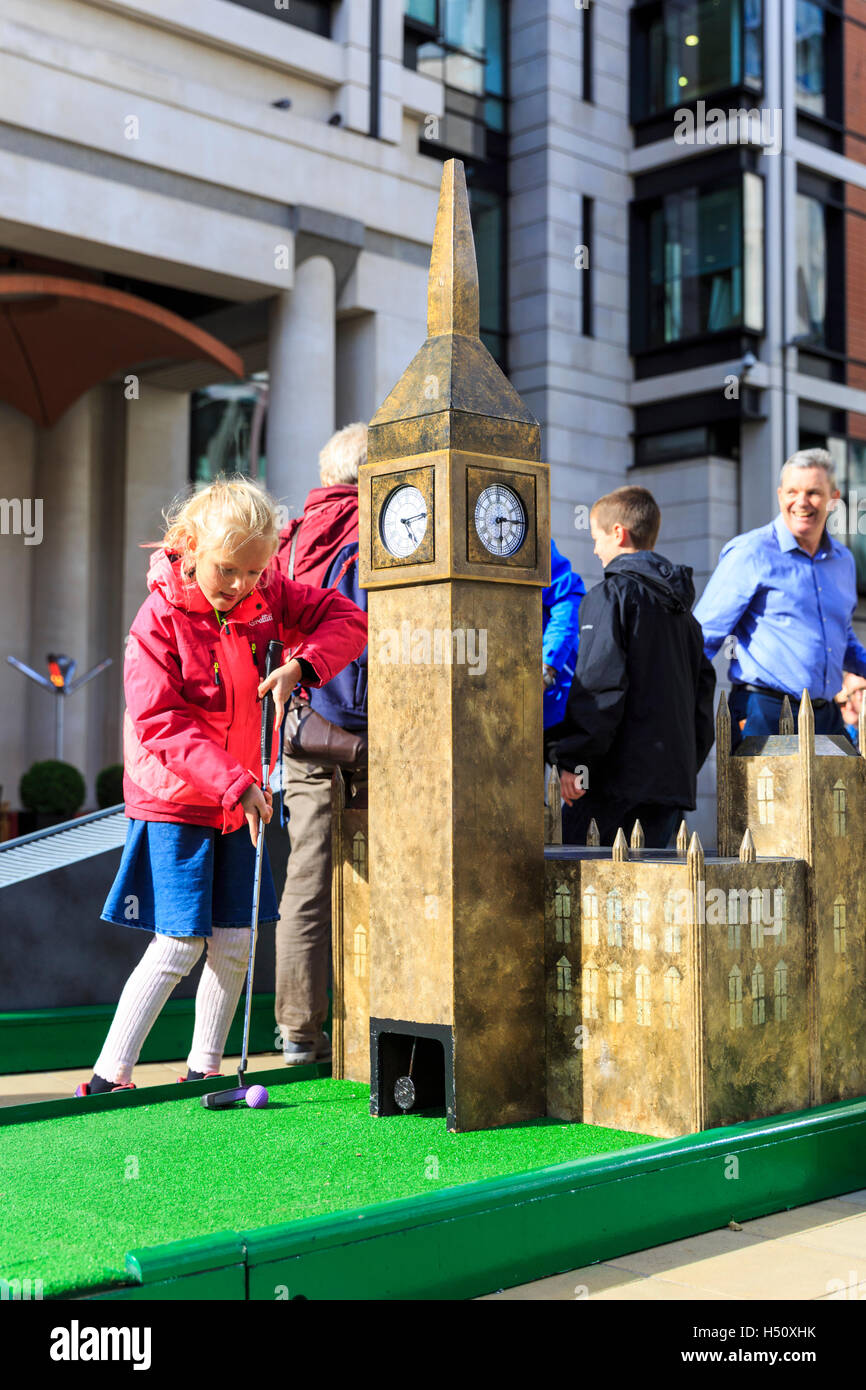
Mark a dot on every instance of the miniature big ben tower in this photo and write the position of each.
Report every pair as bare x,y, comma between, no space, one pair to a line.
454,551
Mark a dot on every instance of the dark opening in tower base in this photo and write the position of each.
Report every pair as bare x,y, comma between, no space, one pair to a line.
411,1068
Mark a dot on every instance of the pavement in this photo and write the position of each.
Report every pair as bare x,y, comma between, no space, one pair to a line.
814,1252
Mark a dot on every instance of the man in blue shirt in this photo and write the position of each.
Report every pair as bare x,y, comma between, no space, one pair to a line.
787,592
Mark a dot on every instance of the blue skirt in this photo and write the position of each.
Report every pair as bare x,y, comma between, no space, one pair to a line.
182,880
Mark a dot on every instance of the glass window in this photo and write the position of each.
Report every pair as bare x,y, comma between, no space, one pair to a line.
855,484
811,320
464,25
810,57
701,46
494,71
227,431
753,54
696,282
423,10
487,210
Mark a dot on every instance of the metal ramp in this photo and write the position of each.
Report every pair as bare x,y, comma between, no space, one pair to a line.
60,845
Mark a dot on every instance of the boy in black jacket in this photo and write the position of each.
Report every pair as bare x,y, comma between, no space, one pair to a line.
639,718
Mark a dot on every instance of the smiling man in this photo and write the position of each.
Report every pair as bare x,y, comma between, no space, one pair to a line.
787,593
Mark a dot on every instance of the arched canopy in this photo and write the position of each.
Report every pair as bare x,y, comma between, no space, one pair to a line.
60,337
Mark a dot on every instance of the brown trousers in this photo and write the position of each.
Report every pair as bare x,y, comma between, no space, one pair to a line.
303,936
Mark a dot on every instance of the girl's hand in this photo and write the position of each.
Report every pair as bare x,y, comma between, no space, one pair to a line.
282,682
257,804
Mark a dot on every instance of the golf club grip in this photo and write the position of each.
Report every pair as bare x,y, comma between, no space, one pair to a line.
272,660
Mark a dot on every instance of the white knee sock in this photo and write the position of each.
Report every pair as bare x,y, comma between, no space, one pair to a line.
163,965
219,990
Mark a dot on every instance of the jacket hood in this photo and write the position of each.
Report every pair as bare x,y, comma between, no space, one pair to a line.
329,522
672,584
166,577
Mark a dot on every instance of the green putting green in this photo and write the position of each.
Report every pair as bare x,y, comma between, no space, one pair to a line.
78,1192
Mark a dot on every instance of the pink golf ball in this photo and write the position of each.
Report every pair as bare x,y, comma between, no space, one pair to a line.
256,1097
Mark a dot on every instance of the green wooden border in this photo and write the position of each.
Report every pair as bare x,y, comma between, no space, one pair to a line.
55,1039
483,1236
152,1095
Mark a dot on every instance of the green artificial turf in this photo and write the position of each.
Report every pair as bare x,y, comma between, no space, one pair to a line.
77,1193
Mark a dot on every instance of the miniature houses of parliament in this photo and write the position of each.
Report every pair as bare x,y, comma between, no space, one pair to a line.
663,992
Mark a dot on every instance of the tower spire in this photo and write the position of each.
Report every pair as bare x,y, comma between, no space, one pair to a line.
452,290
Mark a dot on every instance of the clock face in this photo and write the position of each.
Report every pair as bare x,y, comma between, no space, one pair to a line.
403,521
500,520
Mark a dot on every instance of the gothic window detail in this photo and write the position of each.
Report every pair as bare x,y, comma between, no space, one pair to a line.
780,991
765,796
614,993
614,917
840,809
673,928
359,944
563,987
733,920
755,923
359,858
840,923
759,1012
642,996
735,997
590,990
672,997
590,917
640,918
562,911
780,916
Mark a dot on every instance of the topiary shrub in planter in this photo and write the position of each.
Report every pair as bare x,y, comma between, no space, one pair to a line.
52,789
109,786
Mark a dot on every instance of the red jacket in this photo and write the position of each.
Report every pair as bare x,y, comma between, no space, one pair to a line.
192,729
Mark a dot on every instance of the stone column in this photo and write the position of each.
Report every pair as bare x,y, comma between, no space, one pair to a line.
64,573
18,551
301,364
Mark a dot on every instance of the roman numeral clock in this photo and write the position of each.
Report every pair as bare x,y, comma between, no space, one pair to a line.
454,551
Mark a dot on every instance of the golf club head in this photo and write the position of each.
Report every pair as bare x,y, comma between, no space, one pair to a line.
223,1100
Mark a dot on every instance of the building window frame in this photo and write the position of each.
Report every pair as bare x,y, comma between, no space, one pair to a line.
701,176
651,125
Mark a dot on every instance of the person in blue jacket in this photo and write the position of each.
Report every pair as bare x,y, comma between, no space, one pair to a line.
560,606
560,603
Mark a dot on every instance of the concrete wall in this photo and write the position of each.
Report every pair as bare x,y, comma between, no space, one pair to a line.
563,148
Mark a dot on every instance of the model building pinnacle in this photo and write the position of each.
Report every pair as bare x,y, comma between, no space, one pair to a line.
683,838
592,833
619,852
723,717
786,717
452,292
638,839
747,848
554,804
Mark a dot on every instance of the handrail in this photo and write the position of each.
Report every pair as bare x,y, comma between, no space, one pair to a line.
56,829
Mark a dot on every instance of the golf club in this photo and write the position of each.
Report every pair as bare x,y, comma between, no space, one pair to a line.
255,1096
